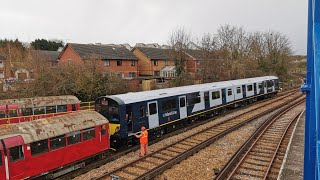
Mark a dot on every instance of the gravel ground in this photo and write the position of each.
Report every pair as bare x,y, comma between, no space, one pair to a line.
135,155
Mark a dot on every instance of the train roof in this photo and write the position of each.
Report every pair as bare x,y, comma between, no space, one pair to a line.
133,97
51,127
41,101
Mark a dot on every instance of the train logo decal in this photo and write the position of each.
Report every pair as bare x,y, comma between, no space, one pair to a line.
169,113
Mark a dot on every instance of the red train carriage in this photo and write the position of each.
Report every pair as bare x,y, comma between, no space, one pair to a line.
35,148
27,109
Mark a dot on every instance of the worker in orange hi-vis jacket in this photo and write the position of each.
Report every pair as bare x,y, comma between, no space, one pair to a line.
143,141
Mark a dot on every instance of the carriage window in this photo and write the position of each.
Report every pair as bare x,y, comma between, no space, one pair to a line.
13,113
153,108
103,130
74,107
39,147
88,134
206,96
229,92
51,109
16,153
0,158
182,102
62,108
249,87
238,90
260,85
74,137
215,95
39,110
57,142
169,105
27,112
141,110
2,114
195,98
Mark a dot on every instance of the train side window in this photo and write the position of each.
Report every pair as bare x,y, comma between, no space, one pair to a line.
0,158
13,113
169,105
88,134
195,98
141,110
206,96
249,87
74,137
39,110
27,112
229,92
260,85
3,114
238,90
61,108
57,142
51,109
16,153
182,102
103,130
39,147
215,95
153,108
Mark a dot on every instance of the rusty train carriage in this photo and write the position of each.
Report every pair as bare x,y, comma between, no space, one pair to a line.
33,148
28,109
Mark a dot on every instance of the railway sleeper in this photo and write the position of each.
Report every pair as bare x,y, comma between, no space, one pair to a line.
250,172
257,154
259,158
254,167
257,162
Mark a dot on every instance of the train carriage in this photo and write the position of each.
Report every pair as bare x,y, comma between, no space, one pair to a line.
34,148
163,109
28,109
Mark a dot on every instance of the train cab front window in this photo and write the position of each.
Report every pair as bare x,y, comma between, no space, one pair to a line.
109,109
16,153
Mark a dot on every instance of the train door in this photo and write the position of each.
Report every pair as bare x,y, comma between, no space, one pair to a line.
265,87
153,114
255,88
13,113
224,101
206,100
182,107
129,118
3,115
244,91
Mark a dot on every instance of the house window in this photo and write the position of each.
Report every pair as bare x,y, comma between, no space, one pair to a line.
120,75
119,62
157,73
132,74
133,63
155,62
1,64
1,75
166,62
106,62
69,61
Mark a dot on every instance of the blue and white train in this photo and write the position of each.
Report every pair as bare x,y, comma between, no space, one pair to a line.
163,110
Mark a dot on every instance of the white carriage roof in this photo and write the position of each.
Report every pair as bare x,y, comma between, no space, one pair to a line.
54,126
132,97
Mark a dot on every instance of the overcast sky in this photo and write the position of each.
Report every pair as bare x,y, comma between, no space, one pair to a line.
148,21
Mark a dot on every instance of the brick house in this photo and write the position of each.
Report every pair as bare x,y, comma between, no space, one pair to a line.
195,58
152,60
114,58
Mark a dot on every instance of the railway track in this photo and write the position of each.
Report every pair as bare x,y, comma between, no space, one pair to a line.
114,155
262,155
162,159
